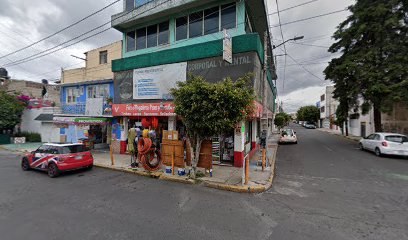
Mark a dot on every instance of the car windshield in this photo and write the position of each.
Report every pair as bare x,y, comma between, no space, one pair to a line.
287,132
72,149
396,138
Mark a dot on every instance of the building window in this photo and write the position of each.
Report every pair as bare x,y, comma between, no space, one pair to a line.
205,22
142,2
322,98
130,41
103,57
322,109
152,36
228,16
163,37
141,38
181,28
211,20
71,95
129,5
195,25
98,91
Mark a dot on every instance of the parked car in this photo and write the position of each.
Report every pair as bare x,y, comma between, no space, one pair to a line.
288,136
56,158
310,126
386,144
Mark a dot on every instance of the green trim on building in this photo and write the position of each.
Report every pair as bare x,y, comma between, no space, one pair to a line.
240,44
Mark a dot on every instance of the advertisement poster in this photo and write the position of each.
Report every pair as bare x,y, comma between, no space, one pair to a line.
155,82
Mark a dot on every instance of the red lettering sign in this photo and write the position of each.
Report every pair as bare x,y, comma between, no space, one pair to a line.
143,109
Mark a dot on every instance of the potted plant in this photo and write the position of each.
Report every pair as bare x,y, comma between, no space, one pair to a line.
109,100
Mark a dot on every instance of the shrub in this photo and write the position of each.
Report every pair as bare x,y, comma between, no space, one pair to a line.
30,137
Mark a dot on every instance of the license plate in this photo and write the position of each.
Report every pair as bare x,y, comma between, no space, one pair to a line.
78,157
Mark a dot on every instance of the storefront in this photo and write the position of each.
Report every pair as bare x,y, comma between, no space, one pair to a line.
142,98
95,132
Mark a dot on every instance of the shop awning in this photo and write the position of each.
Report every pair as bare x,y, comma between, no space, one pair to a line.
81,120
144,109
44,117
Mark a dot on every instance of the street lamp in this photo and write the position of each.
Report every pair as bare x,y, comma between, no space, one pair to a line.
292,39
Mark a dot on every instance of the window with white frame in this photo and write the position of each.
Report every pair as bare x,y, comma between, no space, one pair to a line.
71,95
98,91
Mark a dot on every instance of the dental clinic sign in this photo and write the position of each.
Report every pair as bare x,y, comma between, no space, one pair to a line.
156,82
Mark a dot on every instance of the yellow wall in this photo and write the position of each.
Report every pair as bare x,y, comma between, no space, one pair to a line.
93,70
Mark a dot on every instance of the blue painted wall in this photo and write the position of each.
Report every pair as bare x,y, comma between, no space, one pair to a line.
82,98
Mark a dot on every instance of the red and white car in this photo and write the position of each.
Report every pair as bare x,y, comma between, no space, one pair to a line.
56,158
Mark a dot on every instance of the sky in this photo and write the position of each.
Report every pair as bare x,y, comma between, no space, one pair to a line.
23,22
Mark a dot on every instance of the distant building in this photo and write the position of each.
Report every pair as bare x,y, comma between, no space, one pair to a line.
328,106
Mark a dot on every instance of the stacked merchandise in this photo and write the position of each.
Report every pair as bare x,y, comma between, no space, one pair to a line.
228,154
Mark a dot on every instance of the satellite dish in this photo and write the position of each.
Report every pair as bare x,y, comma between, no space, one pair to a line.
44,81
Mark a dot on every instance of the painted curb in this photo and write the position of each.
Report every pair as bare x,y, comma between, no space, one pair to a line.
158,175
259,188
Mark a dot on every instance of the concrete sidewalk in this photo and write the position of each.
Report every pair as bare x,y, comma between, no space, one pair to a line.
338,133
21,147
223,177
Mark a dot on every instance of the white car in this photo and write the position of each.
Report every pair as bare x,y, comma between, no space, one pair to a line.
288,136
386,144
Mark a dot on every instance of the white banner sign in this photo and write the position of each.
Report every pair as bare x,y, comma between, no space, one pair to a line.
227,47
155,82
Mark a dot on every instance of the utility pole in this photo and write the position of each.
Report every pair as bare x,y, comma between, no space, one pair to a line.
264,119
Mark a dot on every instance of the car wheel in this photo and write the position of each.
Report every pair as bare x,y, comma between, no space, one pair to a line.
89,167
53,170
25,165
377,152
296,142
361,146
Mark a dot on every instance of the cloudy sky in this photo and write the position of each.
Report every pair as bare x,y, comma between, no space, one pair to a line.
23,22
303,85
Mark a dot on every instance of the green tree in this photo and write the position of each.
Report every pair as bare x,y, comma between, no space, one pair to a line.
280,121
374,55
308,113
210,109
10,111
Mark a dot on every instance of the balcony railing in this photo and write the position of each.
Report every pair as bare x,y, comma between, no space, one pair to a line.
73,108
82,109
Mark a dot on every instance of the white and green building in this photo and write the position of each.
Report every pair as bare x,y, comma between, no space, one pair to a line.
164,40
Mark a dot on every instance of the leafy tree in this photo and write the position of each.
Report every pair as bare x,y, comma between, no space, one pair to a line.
10,111
374,47
210,109
308,113
282,119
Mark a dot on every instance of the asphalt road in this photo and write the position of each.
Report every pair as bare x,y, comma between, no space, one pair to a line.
325,189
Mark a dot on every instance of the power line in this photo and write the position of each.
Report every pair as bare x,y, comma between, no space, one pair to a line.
310,45
34,56
299,5
305,19
284,46
61,30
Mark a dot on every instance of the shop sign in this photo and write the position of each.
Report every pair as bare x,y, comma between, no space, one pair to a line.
144,109
227,47
156,82
216,69
63,120
90,120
